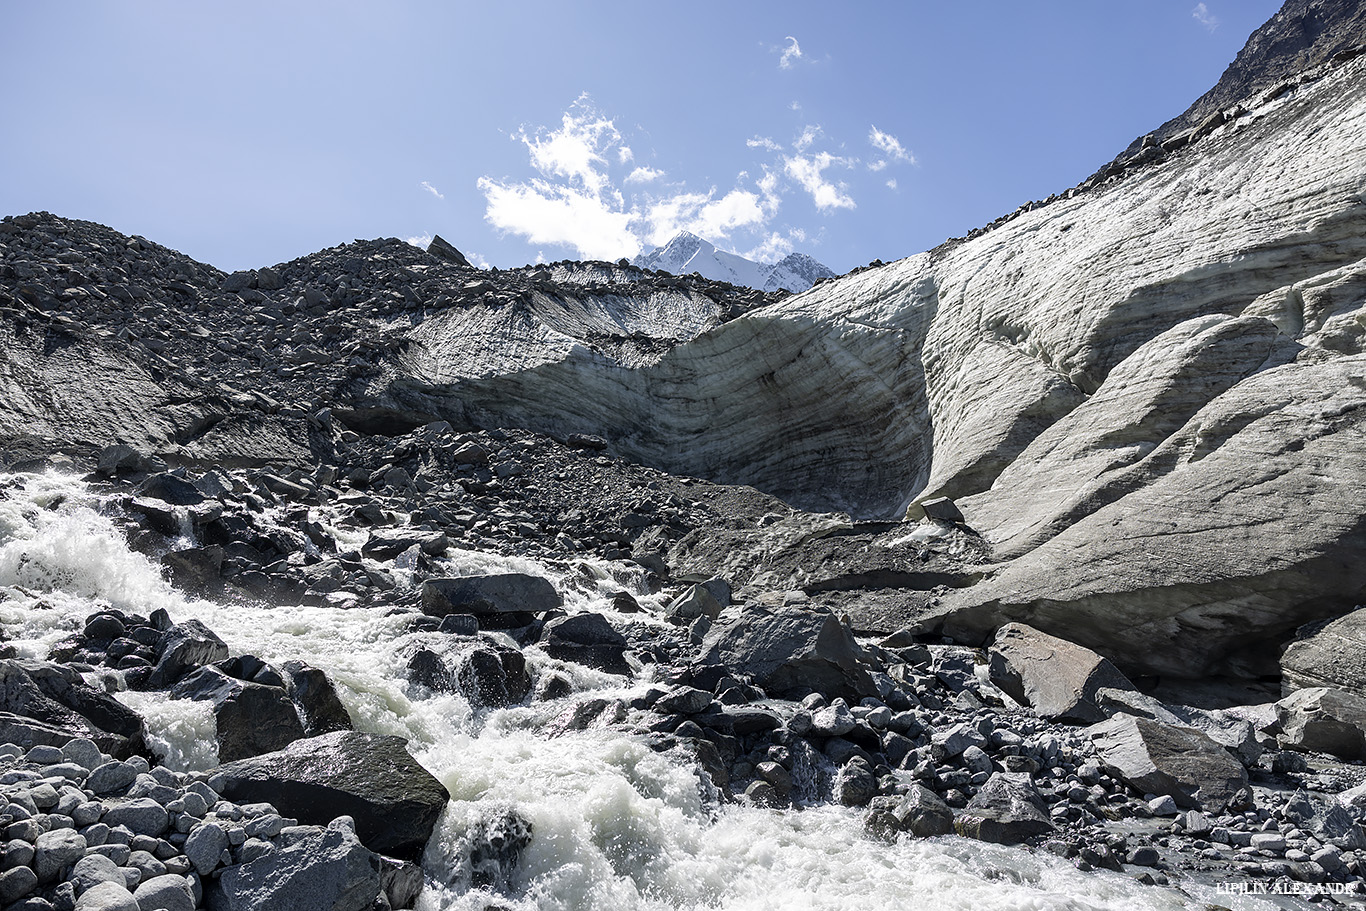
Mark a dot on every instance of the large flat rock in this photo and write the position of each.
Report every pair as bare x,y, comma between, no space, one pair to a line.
369,777
1156,758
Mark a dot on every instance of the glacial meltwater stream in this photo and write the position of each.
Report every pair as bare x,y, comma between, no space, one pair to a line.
615,825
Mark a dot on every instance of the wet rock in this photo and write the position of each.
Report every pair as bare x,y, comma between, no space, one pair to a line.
683,700
372,778
1324,720
493,676
1180,762
121,459
170,488
331,869
790,652
184,647
251,718
427,668
1006,811
1057,678
834,720
195,569
389,544
855,783
696,602
588,639
495,847
507,597
48,703
320,708
920,812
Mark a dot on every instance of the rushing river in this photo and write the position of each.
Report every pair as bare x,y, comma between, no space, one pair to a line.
615,825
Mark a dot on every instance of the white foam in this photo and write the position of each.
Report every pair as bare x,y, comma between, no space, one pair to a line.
615,825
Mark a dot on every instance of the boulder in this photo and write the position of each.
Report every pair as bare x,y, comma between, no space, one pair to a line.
182,648
252,718
1156,758
697,601
588,639
791,652
1005,811
1331,654
170,488
320,708
386,545
1324,720
44,703
493,675
442,249
168,892
329,871
505,599
921,813
107,896
371,778
1056,678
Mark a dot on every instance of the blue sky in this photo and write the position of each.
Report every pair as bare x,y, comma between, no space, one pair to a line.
246,133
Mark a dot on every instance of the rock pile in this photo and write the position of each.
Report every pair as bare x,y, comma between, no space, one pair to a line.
87,831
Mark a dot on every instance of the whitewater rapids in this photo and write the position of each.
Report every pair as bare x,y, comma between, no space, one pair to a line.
615,825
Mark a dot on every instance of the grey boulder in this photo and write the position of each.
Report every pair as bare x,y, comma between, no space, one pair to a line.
920,813
107,897
511,594
1331,655
183,647
327,871
1005,811
1056,678
1157,758
252,718
168,892
791,652
1324,720
369,777
587,639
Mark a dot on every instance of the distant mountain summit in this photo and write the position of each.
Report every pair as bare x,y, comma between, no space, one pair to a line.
689,253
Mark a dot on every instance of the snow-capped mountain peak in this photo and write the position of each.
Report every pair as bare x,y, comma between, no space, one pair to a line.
687,252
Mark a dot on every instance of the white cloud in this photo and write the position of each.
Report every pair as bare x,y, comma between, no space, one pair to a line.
807,171
776,245
792,52
809,135
795,106
1202,15
701,214
891,184
545,213
889,146
478,260
644,174
585,192
421,240
576,150
431,189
